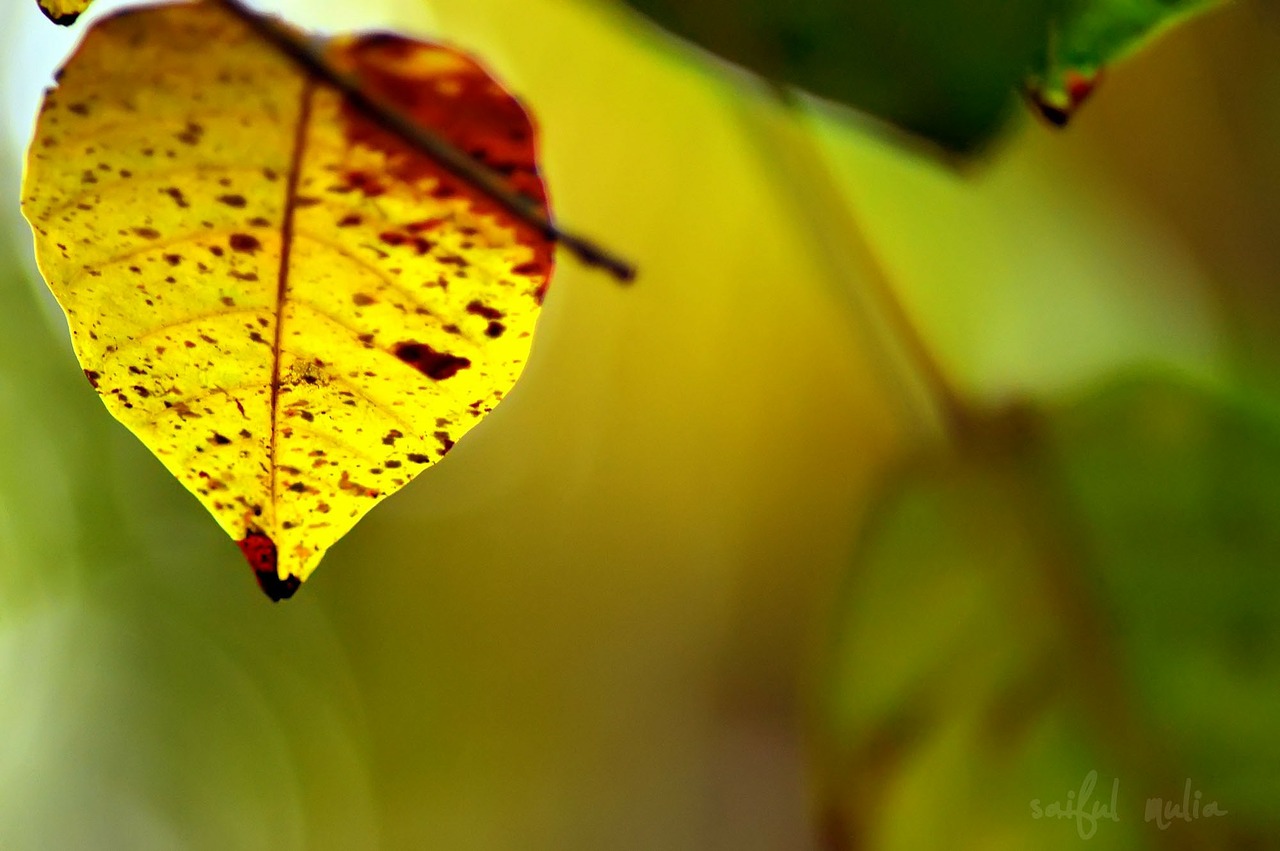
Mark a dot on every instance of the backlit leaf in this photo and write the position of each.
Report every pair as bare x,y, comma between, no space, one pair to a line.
293,309
63,12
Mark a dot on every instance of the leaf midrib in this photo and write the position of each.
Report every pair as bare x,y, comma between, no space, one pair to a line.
282,284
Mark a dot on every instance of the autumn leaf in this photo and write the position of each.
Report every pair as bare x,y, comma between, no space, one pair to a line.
63,12
292,308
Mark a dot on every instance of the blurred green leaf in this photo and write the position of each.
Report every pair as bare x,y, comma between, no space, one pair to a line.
942,68
945,69
1179,491
1085,590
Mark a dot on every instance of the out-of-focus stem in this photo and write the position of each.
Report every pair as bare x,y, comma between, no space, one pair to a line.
929,402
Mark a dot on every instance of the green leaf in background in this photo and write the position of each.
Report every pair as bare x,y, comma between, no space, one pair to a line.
942,68
1178,493
1095,34
1084,593
946,69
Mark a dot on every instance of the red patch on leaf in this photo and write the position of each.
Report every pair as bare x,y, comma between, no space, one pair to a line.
453,96
260,551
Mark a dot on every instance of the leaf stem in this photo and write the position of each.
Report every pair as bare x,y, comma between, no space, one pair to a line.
456,162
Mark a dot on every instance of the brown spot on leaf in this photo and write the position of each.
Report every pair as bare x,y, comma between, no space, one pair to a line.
435,365
236,201
364,183
176,194
346,484
363,299
147,233
244,242
191,134
478,308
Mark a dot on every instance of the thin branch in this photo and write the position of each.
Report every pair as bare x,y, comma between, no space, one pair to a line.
456,162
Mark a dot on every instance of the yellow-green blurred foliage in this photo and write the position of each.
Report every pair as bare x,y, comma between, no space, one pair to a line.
618,615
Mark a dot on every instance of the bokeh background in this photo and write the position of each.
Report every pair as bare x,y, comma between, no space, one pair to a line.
723,572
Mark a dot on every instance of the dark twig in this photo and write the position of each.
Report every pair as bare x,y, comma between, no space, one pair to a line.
484,179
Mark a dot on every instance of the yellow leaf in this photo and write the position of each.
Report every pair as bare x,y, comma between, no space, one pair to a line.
293,309
63,12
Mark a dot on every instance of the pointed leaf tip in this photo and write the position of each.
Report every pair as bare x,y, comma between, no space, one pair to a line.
1059,106
260,551
64,13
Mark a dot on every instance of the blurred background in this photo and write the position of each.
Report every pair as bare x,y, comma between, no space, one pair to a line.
900,496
